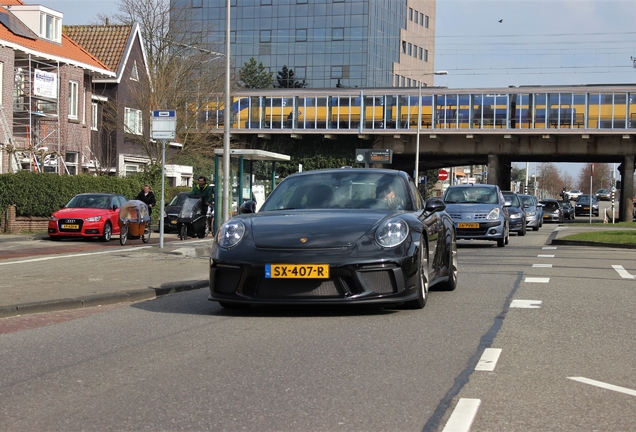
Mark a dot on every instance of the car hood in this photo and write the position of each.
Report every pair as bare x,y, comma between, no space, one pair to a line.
173,209
461,209
320,228
79,213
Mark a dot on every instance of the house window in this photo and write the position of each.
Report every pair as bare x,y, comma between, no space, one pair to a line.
50,27
73,89
337,33
301,35
132,169
70,160
94,112
265,36
84,105
134,72
133,121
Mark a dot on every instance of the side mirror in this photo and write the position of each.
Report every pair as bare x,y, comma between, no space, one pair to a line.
248,207
507,203
115,207
434,205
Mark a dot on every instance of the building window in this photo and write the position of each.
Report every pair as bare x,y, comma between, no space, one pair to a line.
410,52
300,72
415,17
426,21
50,27
415,51
1,80
408,82
94,112
133,121
401,81
134,72
84,105
301,35
197,3
410,14
336,72
70,160
73,94
420,54
265,36
425,55
421,19
266,2
338,1
397,80
301,1
337,33
403,47
132,169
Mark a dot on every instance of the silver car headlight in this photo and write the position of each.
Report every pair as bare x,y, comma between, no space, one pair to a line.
515,215
52,218
392,233
230,234
494,214
531,213
93,219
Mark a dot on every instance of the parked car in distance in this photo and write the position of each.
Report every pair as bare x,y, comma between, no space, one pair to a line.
336,236
582,205
603,195
534,213
87,215
479,212
552,211
516,213
573,194
568,209
172,210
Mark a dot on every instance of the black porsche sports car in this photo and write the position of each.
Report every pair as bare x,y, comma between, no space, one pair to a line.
336,236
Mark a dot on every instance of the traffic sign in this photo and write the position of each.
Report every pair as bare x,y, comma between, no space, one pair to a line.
442,175
164,124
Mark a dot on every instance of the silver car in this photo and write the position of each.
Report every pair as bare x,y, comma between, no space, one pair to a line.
479,212
534,215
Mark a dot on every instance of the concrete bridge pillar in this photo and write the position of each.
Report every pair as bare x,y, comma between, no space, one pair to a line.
626,206
499,171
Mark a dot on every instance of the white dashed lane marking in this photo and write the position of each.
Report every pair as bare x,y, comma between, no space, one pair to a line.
488,360
463,415
622,272
526,304
549,247
545,256
537,280
604,385
542,265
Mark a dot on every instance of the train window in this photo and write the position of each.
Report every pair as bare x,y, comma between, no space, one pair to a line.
579,99
620,98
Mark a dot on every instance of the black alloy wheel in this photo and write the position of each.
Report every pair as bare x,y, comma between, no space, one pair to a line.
422,280
451,284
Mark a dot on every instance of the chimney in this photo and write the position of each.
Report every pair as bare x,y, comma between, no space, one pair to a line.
107,21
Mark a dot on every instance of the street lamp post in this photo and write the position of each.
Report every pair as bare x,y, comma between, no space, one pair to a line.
419,125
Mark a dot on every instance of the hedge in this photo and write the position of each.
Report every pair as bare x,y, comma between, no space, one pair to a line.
36,194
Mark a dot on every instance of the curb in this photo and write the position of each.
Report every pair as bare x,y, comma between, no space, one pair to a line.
101,299
593,244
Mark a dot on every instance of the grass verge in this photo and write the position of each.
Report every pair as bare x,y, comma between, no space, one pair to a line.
605,236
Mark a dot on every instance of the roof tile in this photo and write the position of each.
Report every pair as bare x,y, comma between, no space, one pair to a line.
106,42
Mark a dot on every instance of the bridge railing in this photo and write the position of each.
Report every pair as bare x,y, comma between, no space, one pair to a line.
400,109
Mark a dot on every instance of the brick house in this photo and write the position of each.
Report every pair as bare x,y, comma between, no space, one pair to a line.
119,124
46,82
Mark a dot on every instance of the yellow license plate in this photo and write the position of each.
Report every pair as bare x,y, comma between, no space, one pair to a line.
467,225
297,271
586,208
173,222
70,226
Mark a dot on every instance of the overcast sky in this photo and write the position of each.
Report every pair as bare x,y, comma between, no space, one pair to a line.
543,42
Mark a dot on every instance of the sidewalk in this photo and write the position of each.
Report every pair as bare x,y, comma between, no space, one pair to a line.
47,283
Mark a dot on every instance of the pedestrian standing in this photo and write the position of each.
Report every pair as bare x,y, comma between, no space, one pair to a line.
147,196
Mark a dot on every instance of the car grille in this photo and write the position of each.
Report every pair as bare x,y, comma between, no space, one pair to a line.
78,222
294,288
381,282
476,216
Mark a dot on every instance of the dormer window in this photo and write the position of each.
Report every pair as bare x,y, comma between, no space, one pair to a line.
50,27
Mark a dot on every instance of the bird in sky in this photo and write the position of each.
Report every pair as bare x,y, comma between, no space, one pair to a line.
500,21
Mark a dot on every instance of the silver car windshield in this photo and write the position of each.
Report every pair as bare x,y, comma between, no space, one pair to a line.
471,195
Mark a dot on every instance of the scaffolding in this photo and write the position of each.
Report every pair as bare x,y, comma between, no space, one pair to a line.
35,142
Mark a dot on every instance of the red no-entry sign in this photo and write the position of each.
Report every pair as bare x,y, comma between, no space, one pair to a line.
442,175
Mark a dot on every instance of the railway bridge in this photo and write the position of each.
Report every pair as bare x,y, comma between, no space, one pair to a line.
453,127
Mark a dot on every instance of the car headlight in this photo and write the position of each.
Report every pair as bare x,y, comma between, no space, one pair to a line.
52,218
494,214
515,215
93,219
392,232
230,234
165,215
531,213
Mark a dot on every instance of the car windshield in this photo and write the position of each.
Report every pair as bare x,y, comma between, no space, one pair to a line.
178,200
576,191
346,189
513,199
584,199
551,206
89,201
526,200
471,195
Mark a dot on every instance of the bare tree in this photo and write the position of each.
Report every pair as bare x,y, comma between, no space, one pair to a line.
600,180
550,179
568,181
186,72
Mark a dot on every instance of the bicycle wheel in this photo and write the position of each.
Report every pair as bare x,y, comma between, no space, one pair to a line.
123,235
146,236
183,232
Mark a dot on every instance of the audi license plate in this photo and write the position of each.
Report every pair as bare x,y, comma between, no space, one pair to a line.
69,226
467,225
586,208
297,271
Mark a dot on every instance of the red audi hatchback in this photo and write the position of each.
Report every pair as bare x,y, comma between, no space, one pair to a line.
87,215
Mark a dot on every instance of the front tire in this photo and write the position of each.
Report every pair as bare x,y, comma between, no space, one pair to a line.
451,284
523,231
183,232
422,281
123,235
108,232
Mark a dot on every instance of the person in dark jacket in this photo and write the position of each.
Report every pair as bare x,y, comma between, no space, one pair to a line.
148,197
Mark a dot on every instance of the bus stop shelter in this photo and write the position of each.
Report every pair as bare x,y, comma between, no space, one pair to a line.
240,178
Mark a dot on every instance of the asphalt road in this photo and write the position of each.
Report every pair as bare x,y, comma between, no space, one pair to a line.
182,363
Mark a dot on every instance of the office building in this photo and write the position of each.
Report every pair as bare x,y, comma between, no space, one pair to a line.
351,43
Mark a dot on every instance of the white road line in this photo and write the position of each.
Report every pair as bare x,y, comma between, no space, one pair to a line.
545,256
604,385
488,360
526,304
622,272
462,416
548,247
47,258
542,265
536,280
